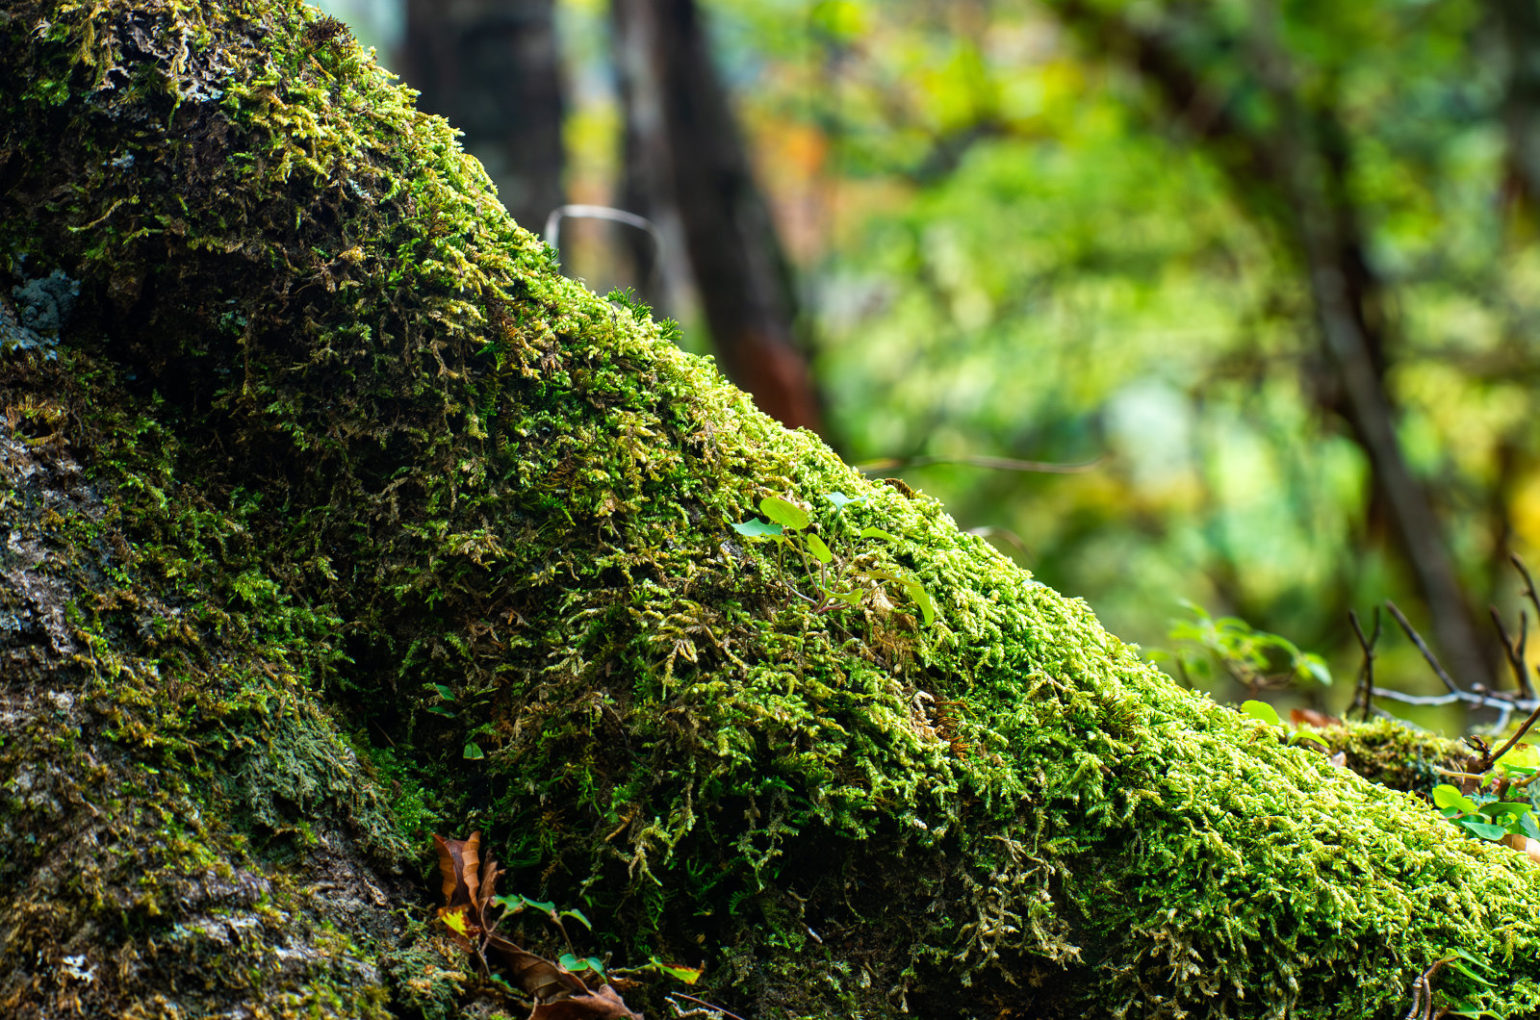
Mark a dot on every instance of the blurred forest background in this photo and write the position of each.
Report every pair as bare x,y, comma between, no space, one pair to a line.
1231,302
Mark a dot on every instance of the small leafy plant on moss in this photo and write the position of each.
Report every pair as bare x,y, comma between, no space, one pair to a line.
1263,712
838,581
1507,810
557,987
449,707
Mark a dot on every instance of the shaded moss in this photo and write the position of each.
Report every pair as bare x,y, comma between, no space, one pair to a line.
349,439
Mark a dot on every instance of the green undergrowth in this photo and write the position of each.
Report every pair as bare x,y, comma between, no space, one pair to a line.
415,533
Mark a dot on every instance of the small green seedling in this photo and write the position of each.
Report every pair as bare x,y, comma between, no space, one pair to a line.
516,903
1251,657
443,709
570,962
789,527
1263,712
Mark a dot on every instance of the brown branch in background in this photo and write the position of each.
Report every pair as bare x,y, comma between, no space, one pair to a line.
1365,688
1514,650
993,463
1523,699
1427,653
1529,582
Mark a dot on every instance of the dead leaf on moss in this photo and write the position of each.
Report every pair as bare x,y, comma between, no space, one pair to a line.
468,887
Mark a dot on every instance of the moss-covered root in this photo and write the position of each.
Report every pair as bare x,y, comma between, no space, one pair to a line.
368,464
153,863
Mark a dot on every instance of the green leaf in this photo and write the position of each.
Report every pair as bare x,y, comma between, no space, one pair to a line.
850,598
820,551
442,710
840,500
878,533
786,514
1503,810
577,915
1299,735
544,906
689,975
1446,796
1457,965
1470,958
1263,711
444,692
1485,830
473,752
571,962
757,528
1315,667
920,597
1523,756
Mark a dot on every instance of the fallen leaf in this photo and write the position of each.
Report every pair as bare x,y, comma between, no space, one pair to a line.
468,887
1310,717
459,862
536,976
601,1005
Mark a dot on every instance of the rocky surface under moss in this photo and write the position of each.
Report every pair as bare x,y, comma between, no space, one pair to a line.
337,516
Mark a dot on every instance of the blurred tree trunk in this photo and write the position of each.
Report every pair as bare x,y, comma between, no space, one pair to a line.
1291,171
1517,27
688,170
493,68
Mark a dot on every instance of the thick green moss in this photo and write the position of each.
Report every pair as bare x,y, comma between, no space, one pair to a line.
352,439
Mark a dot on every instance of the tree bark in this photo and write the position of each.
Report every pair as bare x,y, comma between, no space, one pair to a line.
335,517
492,67
687,164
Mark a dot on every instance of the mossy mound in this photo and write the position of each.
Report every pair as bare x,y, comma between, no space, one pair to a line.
380,525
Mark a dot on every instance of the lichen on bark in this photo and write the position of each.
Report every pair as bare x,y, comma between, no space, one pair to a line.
331,479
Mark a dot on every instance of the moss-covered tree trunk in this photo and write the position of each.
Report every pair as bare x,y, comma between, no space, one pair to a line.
335,516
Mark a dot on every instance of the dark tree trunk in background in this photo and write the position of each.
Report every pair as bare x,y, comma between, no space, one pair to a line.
687,161
1517,27
493,68
1292,176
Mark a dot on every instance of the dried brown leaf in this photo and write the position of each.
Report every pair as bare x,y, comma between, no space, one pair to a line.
604,1004
490,873
559,994
536,976
459,863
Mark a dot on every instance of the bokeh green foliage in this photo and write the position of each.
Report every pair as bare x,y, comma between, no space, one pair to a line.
1020,252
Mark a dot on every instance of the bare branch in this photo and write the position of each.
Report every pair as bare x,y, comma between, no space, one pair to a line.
1366,672
1514,650
1488,758
1427,653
